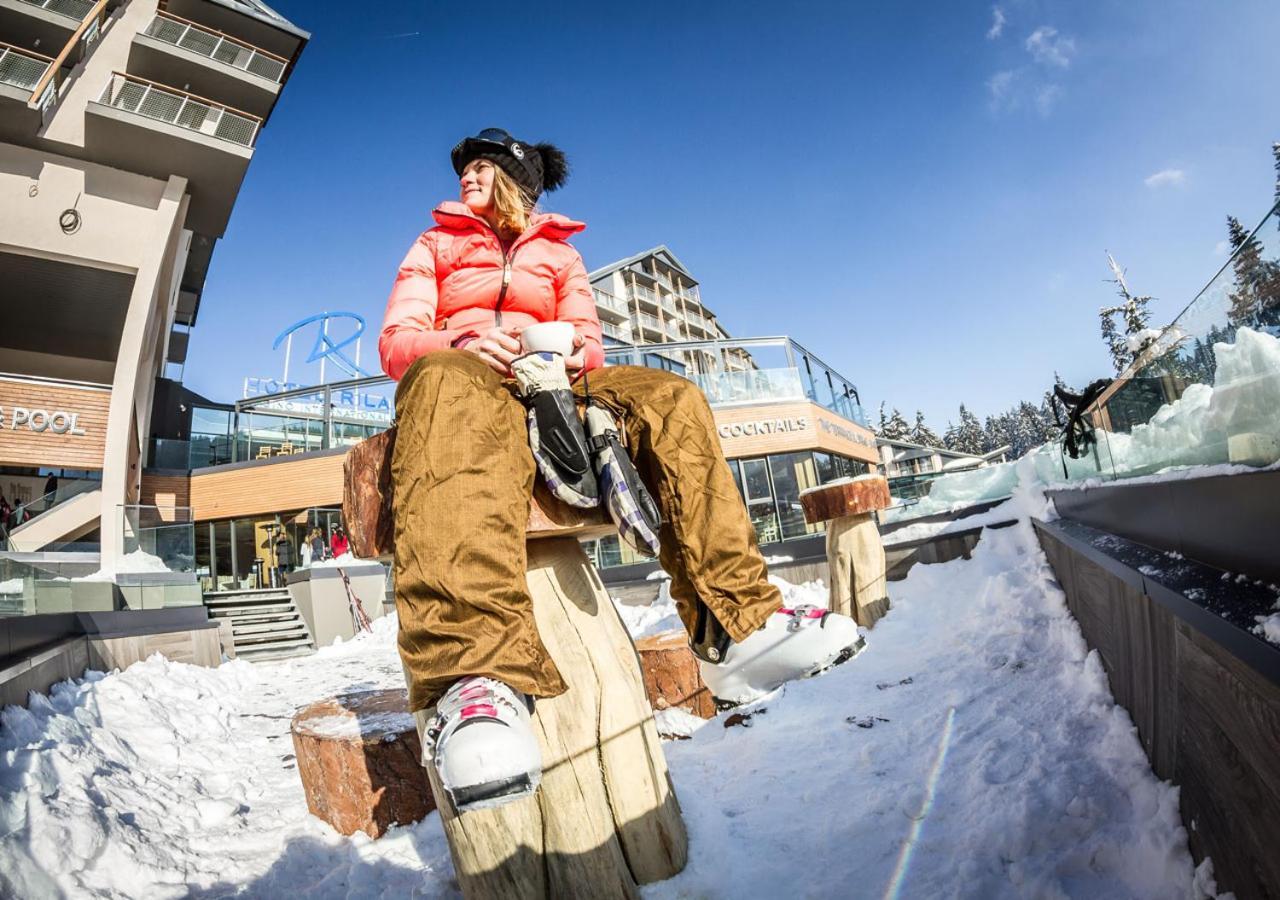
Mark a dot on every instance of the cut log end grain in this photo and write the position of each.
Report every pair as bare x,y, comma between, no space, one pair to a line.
360,761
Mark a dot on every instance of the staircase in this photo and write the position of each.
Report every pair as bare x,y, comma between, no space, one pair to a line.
265,624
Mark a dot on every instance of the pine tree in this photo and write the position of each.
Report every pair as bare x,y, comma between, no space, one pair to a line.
996,432
883,421
923,434
896,429
1256,296
969,437
1126,347
949,436
1275,151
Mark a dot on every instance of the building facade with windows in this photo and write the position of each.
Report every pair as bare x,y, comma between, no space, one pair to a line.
126,128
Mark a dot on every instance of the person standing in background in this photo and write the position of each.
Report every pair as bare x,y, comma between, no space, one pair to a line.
338,541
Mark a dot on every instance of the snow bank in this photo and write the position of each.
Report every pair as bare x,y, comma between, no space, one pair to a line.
972,750
137,562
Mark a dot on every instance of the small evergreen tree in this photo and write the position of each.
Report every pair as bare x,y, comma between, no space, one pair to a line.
883,421
923,434
1125,346
896,429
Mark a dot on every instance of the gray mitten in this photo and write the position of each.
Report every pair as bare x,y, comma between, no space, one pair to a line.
555,432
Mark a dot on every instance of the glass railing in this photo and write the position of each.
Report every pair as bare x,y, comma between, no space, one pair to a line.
755,386
608,301
749,370
66,489
1207,391
166,104
157,539
216,46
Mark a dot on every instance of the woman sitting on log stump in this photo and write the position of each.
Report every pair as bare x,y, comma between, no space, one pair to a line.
463,478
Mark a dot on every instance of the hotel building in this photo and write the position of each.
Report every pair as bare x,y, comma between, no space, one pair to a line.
126,128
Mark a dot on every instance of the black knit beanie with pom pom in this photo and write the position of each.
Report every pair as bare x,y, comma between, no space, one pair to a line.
535,167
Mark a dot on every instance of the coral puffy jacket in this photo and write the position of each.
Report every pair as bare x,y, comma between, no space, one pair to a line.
451,278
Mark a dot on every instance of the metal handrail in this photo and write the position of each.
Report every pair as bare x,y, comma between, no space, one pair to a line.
95,16
178,107
216,45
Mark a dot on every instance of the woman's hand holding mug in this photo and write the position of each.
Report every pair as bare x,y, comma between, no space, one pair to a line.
497,347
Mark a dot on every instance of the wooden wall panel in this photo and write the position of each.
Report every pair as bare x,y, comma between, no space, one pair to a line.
165,490
271,486
22,446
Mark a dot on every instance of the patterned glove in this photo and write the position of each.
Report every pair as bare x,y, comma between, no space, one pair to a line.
555,431
625,496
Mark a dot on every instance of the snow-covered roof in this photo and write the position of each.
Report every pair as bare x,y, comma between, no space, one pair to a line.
662,251
904,450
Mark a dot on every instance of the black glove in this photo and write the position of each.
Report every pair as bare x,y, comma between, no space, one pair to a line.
555,432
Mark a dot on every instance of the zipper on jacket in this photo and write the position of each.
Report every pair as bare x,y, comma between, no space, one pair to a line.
507,257
506,282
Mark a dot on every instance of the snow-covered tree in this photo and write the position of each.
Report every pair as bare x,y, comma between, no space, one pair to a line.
896,428
923,434
968,436
997,431
1275,151
883,421
1255,300
1125,345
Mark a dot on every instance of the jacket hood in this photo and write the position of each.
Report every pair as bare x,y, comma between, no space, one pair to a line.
553,225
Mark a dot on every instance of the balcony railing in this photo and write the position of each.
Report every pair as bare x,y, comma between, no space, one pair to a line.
651,323
642,293
621,332
72,9
608,301
217,46
179,108
22,68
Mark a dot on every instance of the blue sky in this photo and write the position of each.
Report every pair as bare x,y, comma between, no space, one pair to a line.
923,195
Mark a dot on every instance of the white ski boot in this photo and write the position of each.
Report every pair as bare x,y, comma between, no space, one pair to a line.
793,643
482,744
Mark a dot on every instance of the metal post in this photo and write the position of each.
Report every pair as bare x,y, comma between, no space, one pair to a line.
288,348
328,414
235,568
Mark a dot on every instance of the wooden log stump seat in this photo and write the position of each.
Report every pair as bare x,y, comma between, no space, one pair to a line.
605,818
359,759
672,679
855,554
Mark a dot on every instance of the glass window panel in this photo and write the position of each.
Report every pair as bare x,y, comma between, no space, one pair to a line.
755,473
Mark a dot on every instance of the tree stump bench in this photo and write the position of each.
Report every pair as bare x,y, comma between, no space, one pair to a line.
359,758
672,679
855,554
605,818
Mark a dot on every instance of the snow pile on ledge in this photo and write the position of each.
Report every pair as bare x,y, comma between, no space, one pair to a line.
973,750
1190,432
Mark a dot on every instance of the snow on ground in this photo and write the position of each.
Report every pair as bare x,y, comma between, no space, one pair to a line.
973,750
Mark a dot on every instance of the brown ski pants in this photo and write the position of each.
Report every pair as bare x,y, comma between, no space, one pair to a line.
463,478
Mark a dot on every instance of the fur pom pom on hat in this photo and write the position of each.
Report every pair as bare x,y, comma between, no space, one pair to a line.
535,167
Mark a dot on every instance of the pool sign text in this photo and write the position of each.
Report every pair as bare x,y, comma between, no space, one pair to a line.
57,421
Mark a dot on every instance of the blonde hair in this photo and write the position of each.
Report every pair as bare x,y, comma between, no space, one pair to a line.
512,207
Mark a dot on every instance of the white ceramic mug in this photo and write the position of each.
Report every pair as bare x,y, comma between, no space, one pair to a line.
554,337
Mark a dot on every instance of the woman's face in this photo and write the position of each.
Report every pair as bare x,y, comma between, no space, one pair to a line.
477,186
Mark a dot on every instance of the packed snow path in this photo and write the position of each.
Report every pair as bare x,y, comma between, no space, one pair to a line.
973,750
